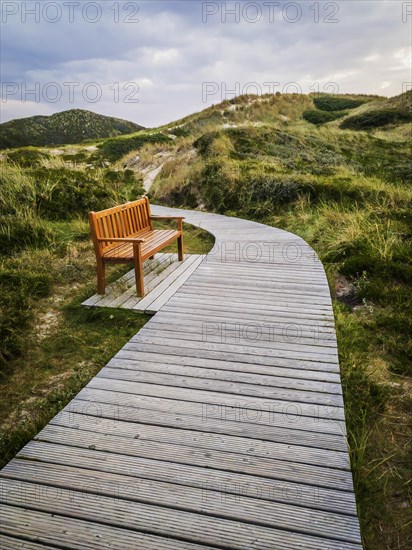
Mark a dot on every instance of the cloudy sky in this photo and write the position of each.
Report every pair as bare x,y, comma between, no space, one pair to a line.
155,61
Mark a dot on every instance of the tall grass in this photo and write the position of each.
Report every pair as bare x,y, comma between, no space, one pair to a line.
44,203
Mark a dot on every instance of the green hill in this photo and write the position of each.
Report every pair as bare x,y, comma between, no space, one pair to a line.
73,126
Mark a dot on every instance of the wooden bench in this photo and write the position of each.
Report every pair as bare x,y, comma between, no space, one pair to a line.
125,234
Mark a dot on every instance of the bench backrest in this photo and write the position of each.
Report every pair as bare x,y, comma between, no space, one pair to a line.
126,220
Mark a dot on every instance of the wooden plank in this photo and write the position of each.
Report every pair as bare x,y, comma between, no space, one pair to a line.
264,275
278,350
147,301
76,534
237,336
125,279
141,506
296,409
258,272
132,300
138,521
11,543
333,493
334,485
281,318
197,432
151,278
216,455
247,330
160,264
173,348
157,304
228,282
234,414
236,301
151,355
218,314
260,296
271,308
231,387
273,379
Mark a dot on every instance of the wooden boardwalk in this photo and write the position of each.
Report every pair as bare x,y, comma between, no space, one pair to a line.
163,276
219,425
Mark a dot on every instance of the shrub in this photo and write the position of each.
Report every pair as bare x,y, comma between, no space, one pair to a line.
204,143
18,289
180,131
76,157
221,146
114,149
376,119
63,193
56,193
321,117
334,103
389,160
18,233
266,188
218,185
27,158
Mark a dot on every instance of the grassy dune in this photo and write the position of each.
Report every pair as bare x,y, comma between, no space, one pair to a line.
333,169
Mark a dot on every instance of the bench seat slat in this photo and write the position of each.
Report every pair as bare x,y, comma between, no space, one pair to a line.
155,238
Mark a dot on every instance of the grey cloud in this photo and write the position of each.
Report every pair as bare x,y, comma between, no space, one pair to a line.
170,52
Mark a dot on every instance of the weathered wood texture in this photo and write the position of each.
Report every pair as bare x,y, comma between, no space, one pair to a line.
163,275
219,425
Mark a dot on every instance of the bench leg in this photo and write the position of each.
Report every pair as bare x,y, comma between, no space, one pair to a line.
180,248
138,269
101,277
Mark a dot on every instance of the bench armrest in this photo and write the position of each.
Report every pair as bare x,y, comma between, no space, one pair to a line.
167,217
120,240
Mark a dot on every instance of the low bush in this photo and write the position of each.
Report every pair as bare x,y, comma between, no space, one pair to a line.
180,131
336,103
116,148
322,117
18,233
376,119
58,193
19,287
27,158
276,190
75,157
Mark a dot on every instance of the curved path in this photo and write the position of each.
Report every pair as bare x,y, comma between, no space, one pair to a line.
219,425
